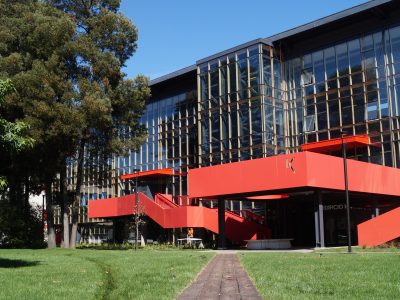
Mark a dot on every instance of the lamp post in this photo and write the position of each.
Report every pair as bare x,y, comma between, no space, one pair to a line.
136,171
346,189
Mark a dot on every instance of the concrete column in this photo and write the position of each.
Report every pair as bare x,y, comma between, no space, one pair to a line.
114,229
321,219
221,224
316,223
376,208
376,211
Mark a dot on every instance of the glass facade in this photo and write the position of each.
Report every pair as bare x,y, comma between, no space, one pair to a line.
240,107
351,86
254,102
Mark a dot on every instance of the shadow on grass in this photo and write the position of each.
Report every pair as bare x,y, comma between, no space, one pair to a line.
100,247
17,263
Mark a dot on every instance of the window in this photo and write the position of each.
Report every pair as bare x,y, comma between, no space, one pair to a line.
319,70
254,75
372,111
342,59
307,76
355,56
309,124
395,41
330,63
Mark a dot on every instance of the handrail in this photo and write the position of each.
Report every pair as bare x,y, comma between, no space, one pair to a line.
163,201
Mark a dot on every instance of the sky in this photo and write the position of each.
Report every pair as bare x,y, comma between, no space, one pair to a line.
174,34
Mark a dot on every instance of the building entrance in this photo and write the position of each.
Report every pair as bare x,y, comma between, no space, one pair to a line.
292,218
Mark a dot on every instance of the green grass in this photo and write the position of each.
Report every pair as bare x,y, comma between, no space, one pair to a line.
357,249
325,275
96,274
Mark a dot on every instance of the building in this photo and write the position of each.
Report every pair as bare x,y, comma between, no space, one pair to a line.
270,97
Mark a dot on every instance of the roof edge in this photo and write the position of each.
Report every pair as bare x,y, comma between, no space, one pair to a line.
233,49
173,74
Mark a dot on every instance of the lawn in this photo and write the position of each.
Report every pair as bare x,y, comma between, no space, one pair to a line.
97,274
364,275
357,249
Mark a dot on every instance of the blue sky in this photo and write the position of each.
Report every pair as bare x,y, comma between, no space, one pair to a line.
173,34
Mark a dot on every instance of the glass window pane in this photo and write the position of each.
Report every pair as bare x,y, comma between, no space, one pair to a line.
395,41
342,59
372,110
355,55
243,79
244,124
254,73
232,77
379,48
330,63
334,119
319,72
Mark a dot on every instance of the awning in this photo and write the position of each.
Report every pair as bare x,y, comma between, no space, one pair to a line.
153,174
351,141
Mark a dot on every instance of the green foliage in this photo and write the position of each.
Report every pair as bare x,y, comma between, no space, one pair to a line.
12,133
6,87
17,232
3,183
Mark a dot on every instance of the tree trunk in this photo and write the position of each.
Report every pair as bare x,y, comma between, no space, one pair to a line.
65,204
74,229
77,197
51,233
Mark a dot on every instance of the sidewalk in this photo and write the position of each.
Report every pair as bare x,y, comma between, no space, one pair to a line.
223,278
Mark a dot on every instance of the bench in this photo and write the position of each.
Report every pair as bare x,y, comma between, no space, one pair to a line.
274,244
192,242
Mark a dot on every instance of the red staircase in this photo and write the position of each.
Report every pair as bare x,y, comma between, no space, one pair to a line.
250,215
379,230
165,201
170,215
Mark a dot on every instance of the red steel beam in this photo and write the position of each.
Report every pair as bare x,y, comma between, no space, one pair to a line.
351,141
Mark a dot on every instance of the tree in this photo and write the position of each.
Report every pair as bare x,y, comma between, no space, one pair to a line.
110,104
65,60
33,51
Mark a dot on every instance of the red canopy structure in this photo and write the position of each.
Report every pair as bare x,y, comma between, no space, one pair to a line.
351,141
152,174
283,173
286,174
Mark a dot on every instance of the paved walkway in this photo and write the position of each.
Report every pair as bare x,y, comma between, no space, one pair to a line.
223,278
